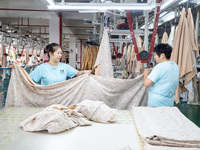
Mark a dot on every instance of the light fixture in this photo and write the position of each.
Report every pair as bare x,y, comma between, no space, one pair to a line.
50,2
168,17
90,11
102,6
164,17
198,3
183,1
166,3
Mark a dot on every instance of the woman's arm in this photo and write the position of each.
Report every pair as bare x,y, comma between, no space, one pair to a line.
147,82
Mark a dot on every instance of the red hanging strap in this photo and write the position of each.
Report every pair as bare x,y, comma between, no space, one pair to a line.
154,30
130,23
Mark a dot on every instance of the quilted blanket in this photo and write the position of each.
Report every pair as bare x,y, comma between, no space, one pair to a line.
116,93
166,127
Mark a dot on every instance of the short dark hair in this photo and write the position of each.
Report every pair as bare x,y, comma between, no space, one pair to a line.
52,48
163,48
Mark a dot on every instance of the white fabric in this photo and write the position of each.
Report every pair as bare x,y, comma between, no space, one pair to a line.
97,111
104,57
56,118
166,126
171,36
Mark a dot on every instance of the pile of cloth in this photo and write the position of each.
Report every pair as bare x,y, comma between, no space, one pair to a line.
57,118
166,128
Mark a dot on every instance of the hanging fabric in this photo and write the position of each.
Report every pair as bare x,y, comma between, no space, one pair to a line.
171,36
165,38
103,65
182,54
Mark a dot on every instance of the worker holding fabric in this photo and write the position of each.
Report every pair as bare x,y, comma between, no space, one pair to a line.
163,79
54,71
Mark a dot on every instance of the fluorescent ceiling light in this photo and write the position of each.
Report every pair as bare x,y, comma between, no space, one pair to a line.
168,17
198,3
102,6
183,1
50,2
162,14
166,3
90,11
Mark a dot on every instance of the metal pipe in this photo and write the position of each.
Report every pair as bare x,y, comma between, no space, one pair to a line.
2,33
60,29
81,54
37,10
48,26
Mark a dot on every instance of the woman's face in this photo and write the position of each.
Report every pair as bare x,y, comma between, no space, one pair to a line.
159,59
56,56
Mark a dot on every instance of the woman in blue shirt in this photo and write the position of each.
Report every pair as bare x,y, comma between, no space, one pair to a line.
54,71
163,79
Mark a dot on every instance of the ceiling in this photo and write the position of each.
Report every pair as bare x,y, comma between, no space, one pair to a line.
32,16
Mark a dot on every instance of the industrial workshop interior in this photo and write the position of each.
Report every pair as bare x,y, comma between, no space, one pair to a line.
99,75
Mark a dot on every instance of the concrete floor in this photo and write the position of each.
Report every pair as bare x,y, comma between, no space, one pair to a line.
192,112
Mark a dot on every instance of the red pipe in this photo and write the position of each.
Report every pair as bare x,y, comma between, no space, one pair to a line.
154,30
132,34
60,29
37,10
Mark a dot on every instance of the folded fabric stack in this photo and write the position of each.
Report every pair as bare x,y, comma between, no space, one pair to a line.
166,128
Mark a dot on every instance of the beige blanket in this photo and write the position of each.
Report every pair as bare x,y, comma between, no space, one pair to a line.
116,93
165,38
103,65
97,111
58,118
166,126
54,120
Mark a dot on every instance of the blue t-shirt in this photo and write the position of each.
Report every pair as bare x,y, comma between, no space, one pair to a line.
49,75
165,76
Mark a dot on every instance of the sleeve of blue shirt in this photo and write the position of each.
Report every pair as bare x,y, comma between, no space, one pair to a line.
155,74
71,72
35,74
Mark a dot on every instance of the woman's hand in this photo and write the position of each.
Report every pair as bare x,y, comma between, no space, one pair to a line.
147,71
87,72
83,72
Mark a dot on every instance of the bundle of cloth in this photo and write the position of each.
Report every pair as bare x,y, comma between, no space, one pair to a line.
116,93
57,118
166,128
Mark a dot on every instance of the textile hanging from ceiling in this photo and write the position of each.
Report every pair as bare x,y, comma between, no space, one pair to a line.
192,33
182,53
103,62
116,93
166,128
171,36
165,38
89,58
